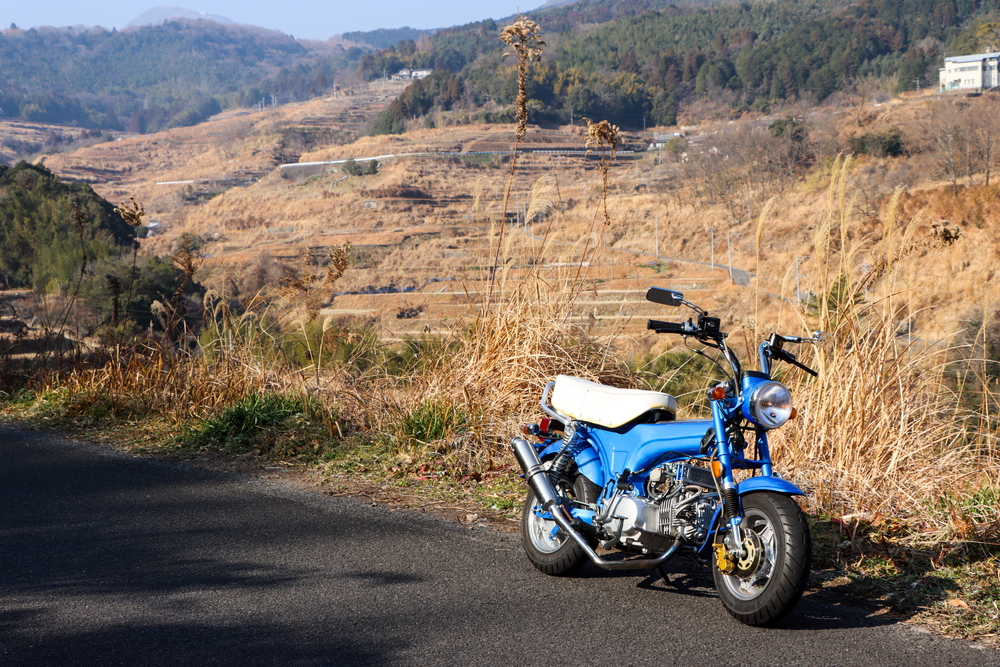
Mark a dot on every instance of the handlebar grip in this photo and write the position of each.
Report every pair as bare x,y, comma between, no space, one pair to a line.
665,327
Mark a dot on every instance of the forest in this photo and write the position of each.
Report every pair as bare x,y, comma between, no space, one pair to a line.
639,66
62,239
635,63
156,77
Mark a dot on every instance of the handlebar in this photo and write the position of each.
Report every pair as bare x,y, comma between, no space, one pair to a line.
670,327
708,327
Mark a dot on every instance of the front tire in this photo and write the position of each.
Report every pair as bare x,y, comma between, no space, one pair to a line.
775,576
547,546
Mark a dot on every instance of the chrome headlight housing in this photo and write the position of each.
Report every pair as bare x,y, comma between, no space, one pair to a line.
771,404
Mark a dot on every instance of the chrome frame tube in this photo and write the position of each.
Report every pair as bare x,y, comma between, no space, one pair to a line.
548,409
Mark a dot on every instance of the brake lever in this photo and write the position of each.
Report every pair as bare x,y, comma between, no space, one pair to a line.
790,358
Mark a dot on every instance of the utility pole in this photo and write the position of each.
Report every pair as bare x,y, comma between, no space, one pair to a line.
798,292
729,250
712,230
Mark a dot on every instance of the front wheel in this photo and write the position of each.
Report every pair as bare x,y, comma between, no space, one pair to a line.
547,546
767,583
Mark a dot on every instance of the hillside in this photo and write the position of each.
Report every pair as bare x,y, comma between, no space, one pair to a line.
643,63
422,228
154,77
637,63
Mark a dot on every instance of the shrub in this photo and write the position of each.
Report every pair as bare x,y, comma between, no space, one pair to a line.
361,169
243,424
883,143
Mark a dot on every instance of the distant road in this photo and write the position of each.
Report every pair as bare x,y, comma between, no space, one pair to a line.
306,169
108,560
740,277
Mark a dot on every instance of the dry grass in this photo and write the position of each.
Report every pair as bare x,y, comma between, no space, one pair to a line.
884,430
888,428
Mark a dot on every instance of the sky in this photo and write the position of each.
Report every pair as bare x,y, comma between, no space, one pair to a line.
304,19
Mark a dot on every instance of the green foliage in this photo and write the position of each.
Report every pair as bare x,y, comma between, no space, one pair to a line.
432,420
789,128
645,57
881,143
441,90
155,279
367,168
38,245
154,77
242,425
918,70
384,38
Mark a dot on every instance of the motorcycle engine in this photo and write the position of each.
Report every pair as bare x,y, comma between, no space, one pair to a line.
678,504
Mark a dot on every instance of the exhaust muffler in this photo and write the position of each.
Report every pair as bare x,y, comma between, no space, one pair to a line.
534,473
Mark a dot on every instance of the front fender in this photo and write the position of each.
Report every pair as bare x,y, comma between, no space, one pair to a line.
775,484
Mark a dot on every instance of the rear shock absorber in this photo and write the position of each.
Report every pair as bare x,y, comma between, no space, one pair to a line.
573,444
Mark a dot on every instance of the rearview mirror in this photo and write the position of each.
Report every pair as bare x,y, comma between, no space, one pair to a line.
666,297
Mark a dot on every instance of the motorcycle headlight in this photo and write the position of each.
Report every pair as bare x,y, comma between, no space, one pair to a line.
771,404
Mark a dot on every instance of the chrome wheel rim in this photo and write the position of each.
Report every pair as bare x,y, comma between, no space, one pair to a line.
750,585
545,534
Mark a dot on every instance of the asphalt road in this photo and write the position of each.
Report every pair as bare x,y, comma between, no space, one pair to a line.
108,560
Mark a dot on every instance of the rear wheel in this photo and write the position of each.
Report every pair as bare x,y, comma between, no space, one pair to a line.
769,580
548,547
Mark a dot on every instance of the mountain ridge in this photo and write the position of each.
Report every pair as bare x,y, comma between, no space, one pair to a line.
158,15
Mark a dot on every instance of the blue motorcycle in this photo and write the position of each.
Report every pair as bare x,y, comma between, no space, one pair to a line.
613,468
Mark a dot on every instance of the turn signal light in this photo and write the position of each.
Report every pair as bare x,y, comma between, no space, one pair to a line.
794,414
717,468
717,393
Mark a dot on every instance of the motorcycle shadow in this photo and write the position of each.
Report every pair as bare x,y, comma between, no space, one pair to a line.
819,609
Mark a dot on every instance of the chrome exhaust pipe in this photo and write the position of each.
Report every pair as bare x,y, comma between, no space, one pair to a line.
546,494
534,473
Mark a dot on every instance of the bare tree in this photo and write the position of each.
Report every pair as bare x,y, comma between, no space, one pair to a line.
859,92
982,129
946,135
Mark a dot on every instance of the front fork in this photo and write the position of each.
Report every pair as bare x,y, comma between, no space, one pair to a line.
727,554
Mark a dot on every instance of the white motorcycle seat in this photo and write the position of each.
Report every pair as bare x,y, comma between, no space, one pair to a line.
606,406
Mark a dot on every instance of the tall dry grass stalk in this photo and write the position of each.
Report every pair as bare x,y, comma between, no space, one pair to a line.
524,36
883,428
605,137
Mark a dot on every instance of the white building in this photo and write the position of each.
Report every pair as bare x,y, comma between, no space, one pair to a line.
407,74
964,72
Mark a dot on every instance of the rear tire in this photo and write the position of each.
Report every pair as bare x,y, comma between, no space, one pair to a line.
776,576
547,546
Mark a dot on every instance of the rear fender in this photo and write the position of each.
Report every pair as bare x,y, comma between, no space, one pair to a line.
775,484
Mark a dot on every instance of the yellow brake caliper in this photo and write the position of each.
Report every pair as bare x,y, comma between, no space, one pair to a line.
723,559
